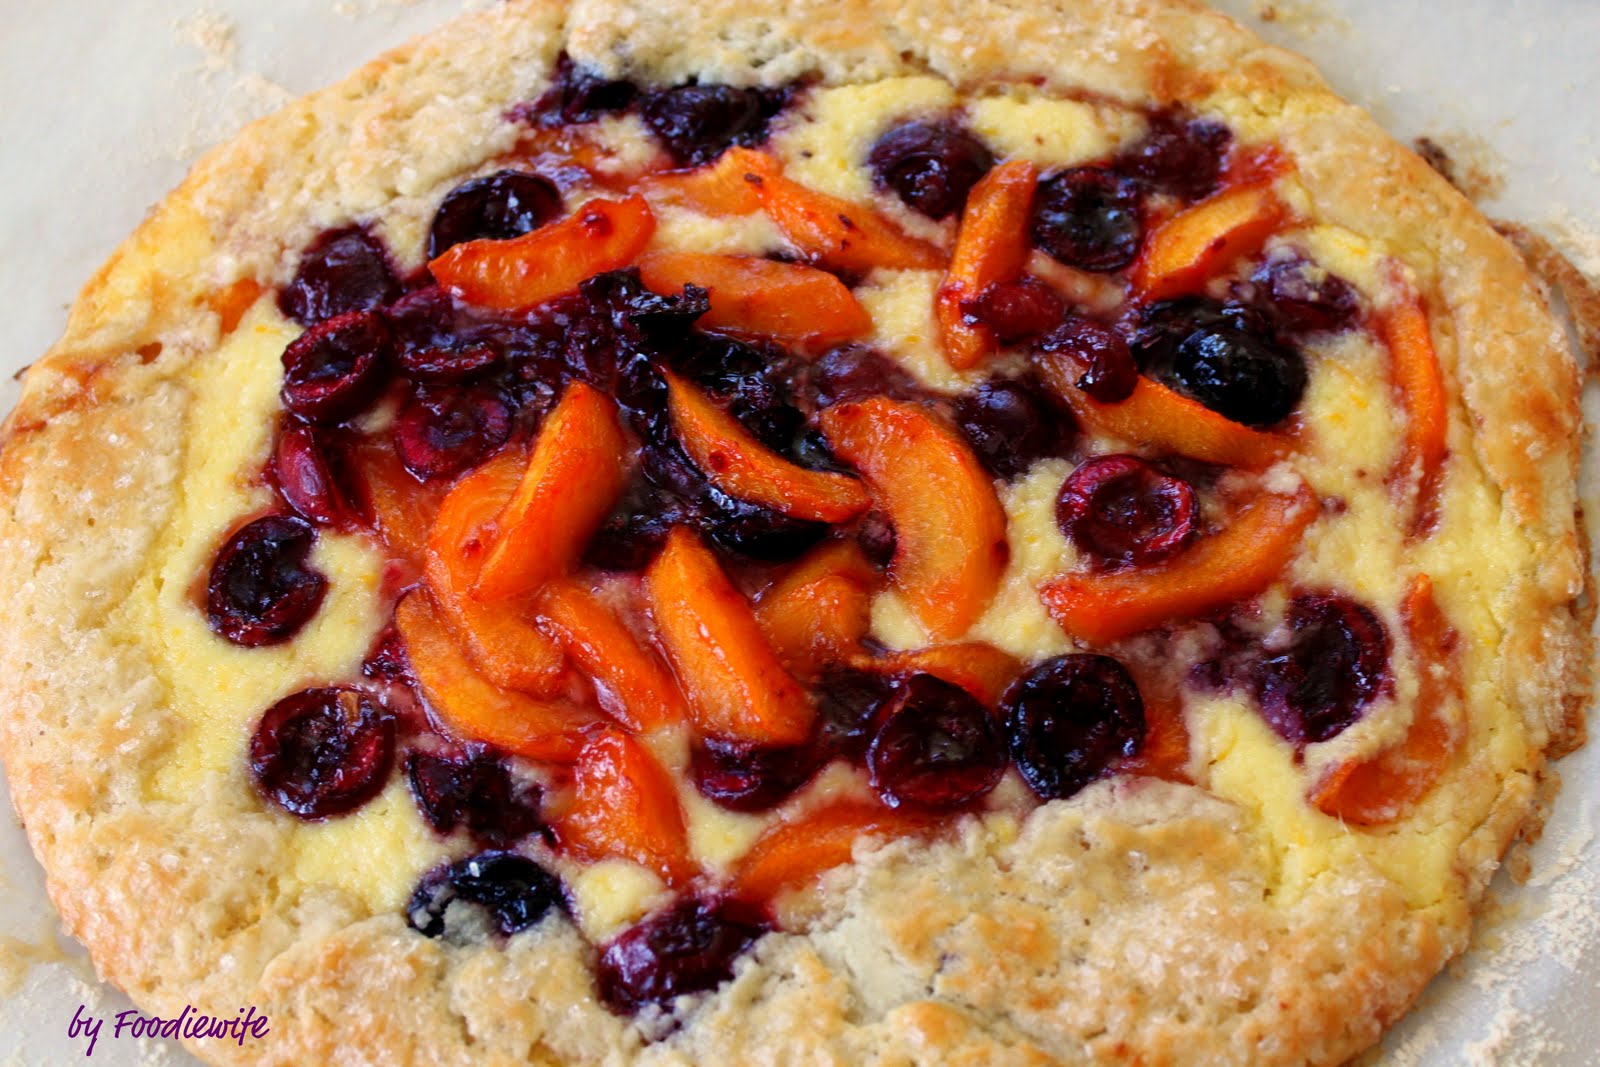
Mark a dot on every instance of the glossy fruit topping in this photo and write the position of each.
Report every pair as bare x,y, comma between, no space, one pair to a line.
1069,718
632,683
1178,155
791,854
1089,218
1225,357
762,297
440,433
743,777
1103,363
305,478
332,370
698,123
322,752
341,271
496,207
930,166
1306,298
688,948
625,804
1419,383
1016,311
577,95
991,250
848,699
262,588
1012,423
976,666
513,892
1121,510
855,372
1204,241
477,793
1335,663
819,612
937,748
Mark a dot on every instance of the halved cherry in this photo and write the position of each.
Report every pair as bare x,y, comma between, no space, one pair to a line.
734,461
1383,787
501,637
819,612
735,684
1414,368
950,530
718,189
792,854
992,247
1201,242
1159,418
633,685
525,271
976,666
1237,562
471,706
750,295
834,233
625,804
574,476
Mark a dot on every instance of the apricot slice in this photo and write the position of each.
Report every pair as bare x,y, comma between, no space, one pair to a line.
526,271
402,508
1380,789
820,611
473,708
1238,561
950,530
574,476
1165,751
762,297
231,302
833,233
792,854
1419,383
991,246
501,637
734,461
976,666
720,189
625,805
1202,241
736,686
634,685
1161,419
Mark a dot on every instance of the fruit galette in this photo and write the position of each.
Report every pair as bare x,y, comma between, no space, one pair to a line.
778,532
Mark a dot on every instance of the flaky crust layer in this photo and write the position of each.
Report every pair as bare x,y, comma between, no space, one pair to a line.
1133,923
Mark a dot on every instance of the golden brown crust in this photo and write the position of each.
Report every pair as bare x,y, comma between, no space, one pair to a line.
1136,922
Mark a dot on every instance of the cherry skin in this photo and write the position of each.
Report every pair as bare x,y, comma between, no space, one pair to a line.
937,748
322,752
1069,718
1120,510
262,589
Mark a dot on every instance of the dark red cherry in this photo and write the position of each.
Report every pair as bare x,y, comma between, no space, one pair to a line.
936,748
1088,218
331,371
1108,372
698,122
322,752
855,372
1069,718
688,948
1336,662
442,432
262,587
875,534
1013,423
447,365
1178,155
756,532
1306,298
387,660
747,777
342,270
576,95
497,207
513,891
1245,377
1016,311
847,703
930,166
480,794
1121,510
305,479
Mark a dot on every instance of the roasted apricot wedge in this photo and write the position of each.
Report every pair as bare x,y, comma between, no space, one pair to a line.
1419,383
574,475
1201,242
792,854
1161,419
526,271
400,507
976,666
833,233
820,611
625,805
1165,751
1237,562
734,461
992,246
500,637
762,297
475,709
950,530
1378,790
721,189
633,684
736,687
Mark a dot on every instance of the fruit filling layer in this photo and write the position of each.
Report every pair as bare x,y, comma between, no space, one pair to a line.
847,465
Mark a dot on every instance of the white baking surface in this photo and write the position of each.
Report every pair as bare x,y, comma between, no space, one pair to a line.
104,103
